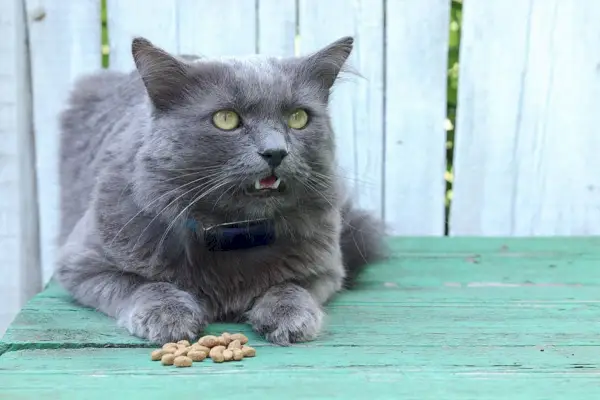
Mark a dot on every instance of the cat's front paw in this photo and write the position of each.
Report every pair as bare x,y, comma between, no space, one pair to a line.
287,315
162,313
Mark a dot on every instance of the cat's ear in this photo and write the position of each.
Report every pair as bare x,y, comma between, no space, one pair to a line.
166,78
326,64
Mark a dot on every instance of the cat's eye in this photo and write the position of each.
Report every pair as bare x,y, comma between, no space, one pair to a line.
226,120
298,119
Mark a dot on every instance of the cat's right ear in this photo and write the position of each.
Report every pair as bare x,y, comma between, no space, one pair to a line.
166,79
326,64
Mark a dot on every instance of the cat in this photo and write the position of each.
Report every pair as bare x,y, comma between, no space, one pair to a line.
153,164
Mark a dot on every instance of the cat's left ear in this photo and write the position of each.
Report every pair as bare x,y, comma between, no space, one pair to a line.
166,79
326,64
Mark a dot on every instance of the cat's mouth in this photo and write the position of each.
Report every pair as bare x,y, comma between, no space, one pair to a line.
266,186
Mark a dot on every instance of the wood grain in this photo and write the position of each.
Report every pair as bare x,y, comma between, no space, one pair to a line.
19,240
64,40
217,28
156,21
526,163
449,318
277,27
374,372
415,111
357,101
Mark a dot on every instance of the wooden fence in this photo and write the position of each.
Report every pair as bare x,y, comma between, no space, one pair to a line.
526,156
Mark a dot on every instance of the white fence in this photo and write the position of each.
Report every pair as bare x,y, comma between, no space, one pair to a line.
527,154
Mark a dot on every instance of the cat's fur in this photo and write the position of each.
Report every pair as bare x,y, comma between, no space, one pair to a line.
140,156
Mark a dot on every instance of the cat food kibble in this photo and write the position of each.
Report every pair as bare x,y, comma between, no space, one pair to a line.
226,347
209,341
216,354
248,351
167,359
224,339
181,352
156,355
182,361
237,354
197,347
236,344
227,355
238,336
197,356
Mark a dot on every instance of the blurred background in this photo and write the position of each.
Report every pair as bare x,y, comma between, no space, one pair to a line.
471,118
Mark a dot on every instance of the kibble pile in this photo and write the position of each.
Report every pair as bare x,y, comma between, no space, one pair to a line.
227,347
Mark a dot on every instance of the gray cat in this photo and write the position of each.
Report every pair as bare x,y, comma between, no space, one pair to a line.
206,190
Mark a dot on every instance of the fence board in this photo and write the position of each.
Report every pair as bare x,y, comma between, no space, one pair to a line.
214,29
357,103
156,20
526,160
19,240
417,46
64,38
276,27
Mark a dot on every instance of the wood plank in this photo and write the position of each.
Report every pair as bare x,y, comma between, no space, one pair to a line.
357,103
374,372
526,153
402,333
58,31
445,320
217,29
19,240
452,291
304,356
277,27
415,111
156,20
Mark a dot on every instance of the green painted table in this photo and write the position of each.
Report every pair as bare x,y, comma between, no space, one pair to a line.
445,319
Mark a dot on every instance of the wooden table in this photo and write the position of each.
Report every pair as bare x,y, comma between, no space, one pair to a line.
445,319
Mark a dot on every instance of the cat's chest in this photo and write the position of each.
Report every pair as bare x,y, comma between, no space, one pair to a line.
231,280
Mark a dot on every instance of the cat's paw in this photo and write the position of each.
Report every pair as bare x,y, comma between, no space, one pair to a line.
164,314
287,315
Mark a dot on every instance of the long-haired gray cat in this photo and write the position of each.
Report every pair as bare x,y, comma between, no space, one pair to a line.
207,190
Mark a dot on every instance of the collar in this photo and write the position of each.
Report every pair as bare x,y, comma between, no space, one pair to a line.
235,235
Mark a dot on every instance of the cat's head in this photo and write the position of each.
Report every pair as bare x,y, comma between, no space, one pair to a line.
249,136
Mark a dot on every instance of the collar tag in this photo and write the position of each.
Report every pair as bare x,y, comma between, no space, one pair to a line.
237,235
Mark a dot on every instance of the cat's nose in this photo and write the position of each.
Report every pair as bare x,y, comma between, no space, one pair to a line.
274,157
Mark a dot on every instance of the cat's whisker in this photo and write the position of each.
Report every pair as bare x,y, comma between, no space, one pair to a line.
339,174
220,183
192,202
344,221
221,196
315,190
310,186
326,184
147,206
210,168
347,178
198,187
183,176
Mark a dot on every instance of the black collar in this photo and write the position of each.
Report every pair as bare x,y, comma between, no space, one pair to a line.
235,235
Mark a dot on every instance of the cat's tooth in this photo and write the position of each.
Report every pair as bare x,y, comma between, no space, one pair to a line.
257,184
276,184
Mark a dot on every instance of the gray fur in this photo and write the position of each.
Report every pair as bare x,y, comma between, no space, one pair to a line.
140,156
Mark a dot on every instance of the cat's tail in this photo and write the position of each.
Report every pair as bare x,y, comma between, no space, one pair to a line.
362,241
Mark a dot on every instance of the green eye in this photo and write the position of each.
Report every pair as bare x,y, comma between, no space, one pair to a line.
298,119
226,120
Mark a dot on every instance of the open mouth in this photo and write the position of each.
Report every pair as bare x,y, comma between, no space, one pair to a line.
268,185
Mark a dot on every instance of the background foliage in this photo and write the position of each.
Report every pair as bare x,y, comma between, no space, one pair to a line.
451,99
